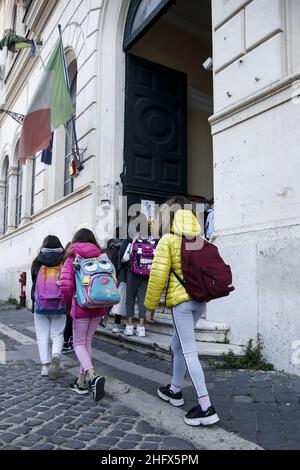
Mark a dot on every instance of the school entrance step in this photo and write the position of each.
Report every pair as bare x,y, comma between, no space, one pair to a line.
210,336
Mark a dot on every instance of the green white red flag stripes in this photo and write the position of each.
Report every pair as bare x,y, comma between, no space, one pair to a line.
50,107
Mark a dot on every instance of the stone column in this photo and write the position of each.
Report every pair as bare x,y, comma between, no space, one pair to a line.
2,192
12,182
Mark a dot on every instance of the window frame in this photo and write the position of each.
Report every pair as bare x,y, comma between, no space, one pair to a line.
14,18
131,38
27,5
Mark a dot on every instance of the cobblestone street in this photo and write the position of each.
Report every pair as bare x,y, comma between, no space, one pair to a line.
47,416
256,409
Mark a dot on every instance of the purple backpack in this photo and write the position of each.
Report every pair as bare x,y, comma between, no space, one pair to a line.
141,256
48,296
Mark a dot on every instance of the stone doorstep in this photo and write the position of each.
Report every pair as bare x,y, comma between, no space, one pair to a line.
160,344
206,331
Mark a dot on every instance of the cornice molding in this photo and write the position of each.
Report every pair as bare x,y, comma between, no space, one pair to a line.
84,191
260,102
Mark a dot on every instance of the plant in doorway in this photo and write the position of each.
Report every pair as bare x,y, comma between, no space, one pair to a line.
12,301
252,360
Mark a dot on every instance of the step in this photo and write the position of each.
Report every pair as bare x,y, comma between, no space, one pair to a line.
160,345
206,331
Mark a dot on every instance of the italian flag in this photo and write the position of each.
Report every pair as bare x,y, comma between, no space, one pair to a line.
51,107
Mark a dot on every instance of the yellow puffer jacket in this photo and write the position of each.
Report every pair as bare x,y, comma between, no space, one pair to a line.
167,257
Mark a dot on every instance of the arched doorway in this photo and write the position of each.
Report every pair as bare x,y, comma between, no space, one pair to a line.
168,100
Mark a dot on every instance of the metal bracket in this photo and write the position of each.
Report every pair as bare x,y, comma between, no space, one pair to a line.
88,158
16,116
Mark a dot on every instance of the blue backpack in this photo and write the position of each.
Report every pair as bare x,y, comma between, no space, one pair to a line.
95,280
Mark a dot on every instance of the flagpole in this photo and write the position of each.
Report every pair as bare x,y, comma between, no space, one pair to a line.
39,55
76,153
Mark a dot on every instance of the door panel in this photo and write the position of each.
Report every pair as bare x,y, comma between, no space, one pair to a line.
155,129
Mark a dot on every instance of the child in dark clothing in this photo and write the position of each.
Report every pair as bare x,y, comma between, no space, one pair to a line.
68,332
116,249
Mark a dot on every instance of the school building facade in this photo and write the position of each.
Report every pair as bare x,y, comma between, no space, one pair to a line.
151,122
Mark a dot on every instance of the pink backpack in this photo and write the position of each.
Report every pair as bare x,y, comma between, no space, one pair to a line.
141,256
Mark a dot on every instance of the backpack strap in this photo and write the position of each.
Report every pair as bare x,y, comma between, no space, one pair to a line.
178,278
35,273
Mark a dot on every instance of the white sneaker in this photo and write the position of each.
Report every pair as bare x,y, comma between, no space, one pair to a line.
45,371
140,331
116,328
54,368
128,330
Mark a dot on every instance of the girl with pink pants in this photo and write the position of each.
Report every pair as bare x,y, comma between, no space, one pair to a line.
85,321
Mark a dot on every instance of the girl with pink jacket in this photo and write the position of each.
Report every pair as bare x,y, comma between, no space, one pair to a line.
85,321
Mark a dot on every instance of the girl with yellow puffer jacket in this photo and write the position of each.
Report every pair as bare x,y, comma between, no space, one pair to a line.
185,311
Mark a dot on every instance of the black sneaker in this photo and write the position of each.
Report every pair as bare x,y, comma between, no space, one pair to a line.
166,394
97,387
196,417
67,348
78,389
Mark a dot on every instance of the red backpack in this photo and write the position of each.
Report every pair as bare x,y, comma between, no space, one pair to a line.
206,276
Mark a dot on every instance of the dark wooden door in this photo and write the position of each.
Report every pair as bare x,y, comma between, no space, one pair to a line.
155,150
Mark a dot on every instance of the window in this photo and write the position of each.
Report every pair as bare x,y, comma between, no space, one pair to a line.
70,136
6,190
14,19
26,7
19,194
27,4
144,10
141,15
14,26
33,174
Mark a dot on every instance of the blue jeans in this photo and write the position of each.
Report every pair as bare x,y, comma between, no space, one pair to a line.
185,317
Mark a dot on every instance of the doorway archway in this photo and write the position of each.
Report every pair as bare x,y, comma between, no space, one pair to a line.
111,167
168,100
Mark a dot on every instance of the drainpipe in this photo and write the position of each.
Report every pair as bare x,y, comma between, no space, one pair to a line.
22,281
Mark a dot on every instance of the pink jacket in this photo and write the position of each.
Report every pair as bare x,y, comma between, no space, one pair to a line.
67,280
